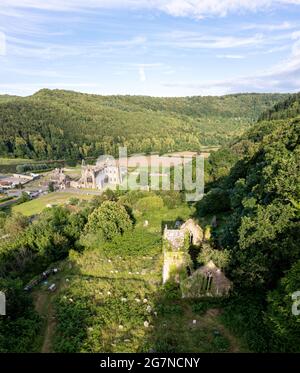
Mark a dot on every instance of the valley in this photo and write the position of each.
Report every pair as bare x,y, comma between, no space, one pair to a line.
107,246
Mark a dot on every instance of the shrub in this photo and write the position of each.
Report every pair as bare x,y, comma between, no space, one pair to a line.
149,203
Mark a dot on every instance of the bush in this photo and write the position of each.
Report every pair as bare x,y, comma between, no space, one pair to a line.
149,203
215,201
111,219
136,242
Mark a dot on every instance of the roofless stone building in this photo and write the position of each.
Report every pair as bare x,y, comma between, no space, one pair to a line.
207,280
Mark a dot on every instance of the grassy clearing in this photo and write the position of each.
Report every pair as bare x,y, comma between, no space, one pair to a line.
114,304
110,299
36,206
13,161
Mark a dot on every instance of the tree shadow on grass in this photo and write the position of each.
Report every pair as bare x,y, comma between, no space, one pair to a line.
185,325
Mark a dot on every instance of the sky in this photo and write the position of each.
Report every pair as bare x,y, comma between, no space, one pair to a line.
150,47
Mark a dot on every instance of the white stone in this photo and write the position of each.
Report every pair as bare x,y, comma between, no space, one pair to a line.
148,309
194,321
137,300
123,299
146,324
121,327
108,293
145,300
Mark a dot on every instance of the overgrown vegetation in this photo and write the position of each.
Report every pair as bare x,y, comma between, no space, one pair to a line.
109,295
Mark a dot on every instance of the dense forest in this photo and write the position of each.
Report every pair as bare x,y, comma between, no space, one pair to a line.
255,182
252,188
68,125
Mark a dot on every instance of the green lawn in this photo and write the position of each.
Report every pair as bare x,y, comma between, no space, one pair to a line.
12,161
36,206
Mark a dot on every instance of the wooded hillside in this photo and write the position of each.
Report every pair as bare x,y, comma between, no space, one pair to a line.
62,124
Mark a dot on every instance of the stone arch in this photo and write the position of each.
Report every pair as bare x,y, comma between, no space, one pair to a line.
194,230
88,176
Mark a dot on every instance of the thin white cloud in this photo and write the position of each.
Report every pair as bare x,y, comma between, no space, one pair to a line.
29,48
2,44
37,73
231,56
282,77
269,27
182,39
190,8
142,74
181,8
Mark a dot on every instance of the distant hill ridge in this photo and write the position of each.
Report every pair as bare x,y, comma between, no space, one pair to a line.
64,124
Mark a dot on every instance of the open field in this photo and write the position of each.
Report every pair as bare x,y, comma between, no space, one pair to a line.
36,206
13,161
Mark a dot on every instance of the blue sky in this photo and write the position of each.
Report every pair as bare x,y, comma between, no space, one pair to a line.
150,47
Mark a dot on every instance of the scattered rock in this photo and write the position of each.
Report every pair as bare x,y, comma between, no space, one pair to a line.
121,327
124,300
194,321
137,300
145,300
146,324
149,309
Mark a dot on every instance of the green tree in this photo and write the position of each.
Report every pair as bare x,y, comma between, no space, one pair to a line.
110,218
279,317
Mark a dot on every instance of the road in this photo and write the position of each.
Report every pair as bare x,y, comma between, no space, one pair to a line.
8,203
